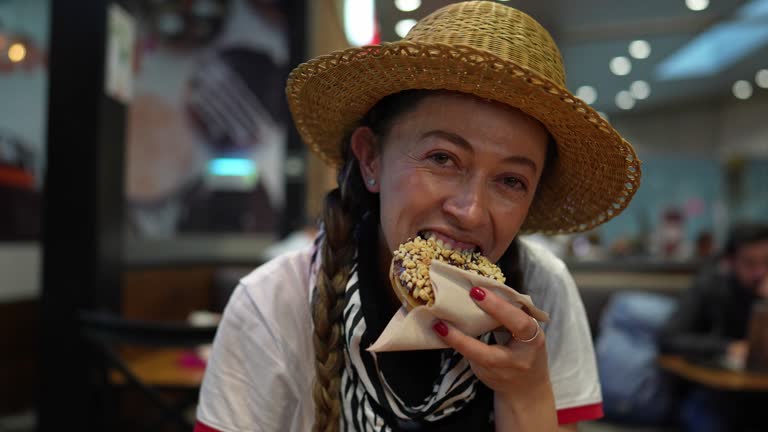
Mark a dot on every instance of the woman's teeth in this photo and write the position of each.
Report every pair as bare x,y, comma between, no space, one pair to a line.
445,242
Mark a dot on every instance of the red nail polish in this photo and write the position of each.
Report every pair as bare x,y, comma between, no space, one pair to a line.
477,293
440,328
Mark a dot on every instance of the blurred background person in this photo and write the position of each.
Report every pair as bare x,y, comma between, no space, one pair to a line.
711,324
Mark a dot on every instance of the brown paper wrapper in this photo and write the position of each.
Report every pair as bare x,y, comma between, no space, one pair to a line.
412,330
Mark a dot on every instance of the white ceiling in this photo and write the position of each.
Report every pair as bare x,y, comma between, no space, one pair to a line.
591,32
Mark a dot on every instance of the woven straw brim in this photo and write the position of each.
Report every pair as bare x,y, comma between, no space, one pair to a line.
594,178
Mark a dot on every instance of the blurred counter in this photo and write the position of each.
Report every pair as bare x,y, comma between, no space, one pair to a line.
637,274
196,250
599,281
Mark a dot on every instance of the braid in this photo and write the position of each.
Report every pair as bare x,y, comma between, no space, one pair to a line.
343,210
342,213
327,309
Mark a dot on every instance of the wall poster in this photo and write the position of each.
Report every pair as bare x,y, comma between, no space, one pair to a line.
208,122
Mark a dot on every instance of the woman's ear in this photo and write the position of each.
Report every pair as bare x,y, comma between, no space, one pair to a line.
365,147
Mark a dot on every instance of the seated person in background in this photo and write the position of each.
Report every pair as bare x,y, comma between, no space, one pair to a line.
712,322
713,316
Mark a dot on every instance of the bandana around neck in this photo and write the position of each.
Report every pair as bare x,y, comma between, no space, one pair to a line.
368,401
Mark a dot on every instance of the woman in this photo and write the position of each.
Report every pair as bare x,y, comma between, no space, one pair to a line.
463,130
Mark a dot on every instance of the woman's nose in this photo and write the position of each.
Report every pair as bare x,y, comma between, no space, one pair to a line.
467,204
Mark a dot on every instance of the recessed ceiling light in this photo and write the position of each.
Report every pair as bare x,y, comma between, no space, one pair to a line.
404,26
640,49
407,5
742,89
624,100
620,66
640,89
587,93
697,5
761,78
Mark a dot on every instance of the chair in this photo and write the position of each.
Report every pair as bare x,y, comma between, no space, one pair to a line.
109,334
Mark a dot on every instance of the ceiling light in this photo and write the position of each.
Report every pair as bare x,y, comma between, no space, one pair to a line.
620,66
742,89
407,5
640,89
17,52
404,26
713,51
359,22
720,46
587,93
697,5
640,49
761,78
753,9
624,100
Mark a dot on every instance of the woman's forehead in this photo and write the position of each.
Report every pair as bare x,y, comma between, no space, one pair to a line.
474,119
446,106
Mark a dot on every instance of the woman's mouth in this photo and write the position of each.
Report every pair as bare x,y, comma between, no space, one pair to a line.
446,242
411,262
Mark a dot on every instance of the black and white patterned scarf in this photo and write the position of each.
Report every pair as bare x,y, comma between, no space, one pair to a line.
368,401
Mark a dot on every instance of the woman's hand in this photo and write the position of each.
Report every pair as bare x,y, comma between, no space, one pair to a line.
517,372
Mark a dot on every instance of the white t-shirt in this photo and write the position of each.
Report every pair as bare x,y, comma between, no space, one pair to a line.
260,373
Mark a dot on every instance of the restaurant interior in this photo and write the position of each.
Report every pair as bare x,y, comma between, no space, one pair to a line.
148,161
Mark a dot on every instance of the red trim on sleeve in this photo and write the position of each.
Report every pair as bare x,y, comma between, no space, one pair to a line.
580,413
200,427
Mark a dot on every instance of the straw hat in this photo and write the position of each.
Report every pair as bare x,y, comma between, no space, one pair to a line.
494,52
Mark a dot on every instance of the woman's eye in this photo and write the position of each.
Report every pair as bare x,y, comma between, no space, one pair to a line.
513,182
440,158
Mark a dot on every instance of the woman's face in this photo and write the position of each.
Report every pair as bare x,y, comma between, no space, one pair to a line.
457,167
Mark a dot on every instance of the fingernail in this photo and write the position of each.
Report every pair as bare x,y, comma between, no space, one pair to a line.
477,293
440,328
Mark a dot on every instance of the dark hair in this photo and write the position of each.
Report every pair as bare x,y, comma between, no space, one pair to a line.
744,234
343,210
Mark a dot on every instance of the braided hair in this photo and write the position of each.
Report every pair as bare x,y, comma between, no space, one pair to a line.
343,210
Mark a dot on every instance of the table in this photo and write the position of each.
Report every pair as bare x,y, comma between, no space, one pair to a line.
162,368
713,377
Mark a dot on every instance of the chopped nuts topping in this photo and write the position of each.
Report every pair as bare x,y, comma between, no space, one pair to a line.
412,260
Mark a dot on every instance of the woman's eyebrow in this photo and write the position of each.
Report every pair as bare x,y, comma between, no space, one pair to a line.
449,136
464,144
